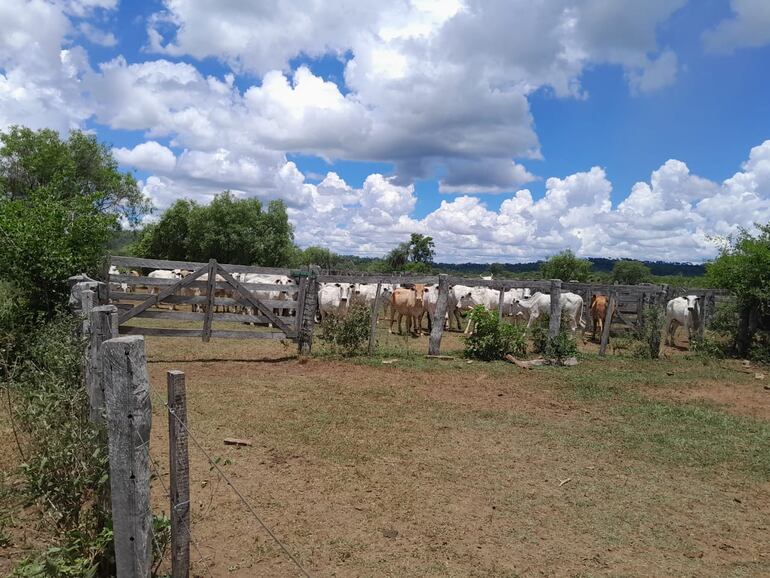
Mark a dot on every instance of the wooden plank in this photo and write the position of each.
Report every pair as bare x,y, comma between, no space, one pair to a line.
202,300
187,316
437,330
607,322
155,299
150,281
129,418
179,474
175,315
554,323
159,331
209,311
101,319
374,315
138,262
372,279
226,334
266,311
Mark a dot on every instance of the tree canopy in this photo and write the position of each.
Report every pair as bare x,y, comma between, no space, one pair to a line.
60,200
415,255
567,267
229,229
628,272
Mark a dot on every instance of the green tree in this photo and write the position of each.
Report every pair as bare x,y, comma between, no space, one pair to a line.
743,267
398,257
229,229
78,167
629,272
497,269
320,256
421,248
60,202
567,267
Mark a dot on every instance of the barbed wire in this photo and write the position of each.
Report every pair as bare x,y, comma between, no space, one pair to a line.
156,470
238,493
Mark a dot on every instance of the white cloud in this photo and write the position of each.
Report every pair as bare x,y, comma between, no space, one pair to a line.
96,35
749,27
147,156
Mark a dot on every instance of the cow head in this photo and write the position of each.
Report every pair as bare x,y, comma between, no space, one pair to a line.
419,293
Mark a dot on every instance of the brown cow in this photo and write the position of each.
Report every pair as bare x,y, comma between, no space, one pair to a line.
410,303
599,305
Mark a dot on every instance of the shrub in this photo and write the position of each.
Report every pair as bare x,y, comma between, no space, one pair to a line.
349,334
493,339
650,332
66,465
560,347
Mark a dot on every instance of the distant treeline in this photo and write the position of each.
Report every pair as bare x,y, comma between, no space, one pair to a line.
600,264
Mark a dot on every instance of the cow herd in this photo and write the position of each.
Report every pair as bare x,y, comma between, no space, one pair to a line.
415,304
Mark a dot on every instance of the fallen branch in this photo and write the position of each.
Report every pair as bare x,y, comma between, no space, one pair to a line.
444,357
236,442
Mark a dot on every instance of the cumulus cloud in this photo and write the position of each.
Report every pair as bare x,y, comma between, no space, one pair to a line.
97,35
147,156
748,27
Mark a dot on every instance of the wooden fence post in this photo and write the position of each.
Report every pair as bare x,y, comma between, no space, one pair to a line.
703,312
437,330
608,321
87,298
375,315
129,418
501,303
210,288
179,475
555,320
307,323
101,321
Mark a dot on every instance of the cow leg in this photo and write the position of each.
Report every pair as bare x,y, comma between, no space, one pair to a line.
392,319
468,327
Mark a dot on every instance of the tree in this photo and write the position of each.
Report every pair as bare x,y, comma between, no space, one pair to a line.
320,256
421,248
567,267
74,168
418,249
60,201
629,272
229,229
742,267
497,269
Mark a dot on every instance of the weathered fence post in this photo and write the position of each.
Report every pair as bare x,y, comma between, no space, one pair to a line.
307,322
179,475
612,303
703,313
129,417
501,303
102,328
375,315
555,320
87,297
210,289
437,330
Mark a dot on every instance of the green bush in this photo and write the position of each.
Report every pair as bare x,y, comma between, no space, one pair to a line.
493,339
65,464
653,319
350,334
560,347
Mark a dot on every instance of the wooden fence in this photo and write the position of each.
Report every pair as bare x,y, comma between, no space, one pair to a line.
293,317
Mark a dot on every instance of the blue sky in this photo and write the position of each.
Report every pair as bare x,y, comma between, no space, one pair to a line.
506,131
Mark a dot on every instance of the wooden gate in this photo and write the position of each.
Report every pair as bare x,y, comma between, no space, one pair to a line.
207,288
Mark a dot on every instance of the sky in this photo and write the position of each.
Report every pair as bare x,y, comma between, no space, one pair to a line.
508,130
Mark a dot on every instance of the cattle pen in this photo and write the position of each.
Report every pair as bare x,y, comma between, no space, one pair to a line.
209,287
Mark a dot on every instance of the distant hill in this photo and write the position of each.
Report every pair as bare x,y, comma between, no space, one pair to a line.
600,264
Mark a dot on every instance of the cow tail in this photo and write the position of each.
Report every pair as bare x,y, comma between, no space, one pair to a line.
581,323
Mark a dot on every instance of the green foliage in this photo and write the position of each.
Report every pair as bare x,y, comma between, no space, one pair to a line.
77,168
350,334
493,339
66,465
567,267
229,229
560,347
320,256
414,255
653,319
630,272
82,555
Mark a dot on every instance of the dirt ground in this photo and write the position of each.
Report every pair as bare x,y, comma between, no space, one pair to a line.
416,467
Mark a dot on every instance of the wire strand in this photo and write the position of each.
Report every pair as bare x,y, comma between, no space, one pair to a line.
238,493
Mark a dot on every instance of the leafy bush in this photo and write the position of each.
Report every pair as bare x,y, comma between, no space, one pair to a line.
650,333
66,465
493,339
706,348
560,347
349,334
566,266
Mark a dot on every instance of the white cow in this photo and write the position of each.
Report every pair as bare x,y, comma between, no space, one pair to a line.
539,304
510,297
164,274
430,300
364,294
682,311
122,286
333,299
268,294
